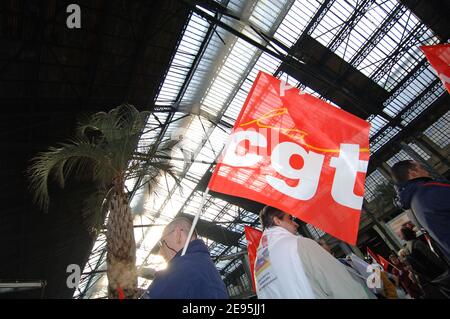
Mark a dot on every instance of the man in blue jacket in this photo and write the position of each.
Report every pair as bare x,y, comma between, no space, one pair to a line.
429,200
192,276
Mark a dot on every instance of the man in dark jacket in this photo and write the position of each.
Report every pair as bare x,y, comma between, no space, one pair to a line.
192,276
428,200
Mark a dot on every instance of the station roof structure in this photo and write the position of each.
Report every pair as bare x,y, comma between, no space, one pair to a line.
193,63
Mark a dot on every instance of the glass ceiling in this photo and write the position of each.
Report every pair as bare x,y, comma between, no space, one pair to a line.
210,76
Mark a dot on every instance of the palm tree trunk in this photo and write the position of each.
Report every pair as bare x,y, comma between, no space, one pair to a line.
121,249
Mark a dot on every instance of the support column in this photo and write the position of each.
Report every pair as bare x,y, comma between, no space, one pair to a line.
387,236
381,228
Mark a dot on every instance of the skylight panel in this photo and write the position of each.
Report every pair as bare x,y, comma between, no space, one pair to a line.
333,21
432,95
265,14
439,131
406,94
373,180
399,156
404,38
183,59
382,139
377,123
295,21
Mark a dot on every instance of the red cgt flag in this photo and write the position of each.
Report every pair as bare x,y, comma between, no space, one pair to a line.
383,262
373,255
295,152
253,237
439,57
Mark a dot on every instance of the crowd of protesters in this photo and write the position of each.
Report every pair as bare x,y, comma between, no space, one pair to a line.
291,266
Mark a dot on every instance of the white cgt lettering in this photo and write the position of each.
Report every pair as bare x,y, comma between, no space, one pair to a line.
308,176
249,159
347,166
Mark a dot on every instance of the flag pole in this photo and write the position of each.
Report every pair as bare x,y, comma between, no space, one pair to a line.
194,223
202,202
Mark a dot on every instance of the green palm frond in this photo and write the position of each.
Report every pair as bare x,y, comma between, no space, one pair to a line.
94,209
120,122
105,143
118,131
64,161
104,150
155,163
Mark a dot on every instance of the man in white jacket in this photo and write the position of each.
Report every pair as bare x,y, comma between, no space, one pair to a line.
290,266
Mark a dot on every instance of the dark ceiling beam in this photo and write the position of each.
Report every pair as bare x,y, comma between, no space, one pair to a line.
143,39
211,231
343,71
215,232
96,43
50,242
312,25
244,203
355,92
432,13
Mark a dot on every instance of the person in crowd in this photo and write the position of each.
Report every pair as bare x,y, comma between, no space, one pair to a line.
425,264
420,232
409,224
290,266
402,254
428,200
359,271
387,289
403,274
192,276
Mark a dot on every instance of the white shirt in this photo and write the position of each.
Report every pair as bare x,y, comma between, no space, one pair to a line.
293,267
279,273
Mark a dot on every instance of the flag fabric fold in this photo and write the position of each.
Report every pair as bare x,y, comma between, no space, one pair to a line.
253,237
300,154
373,255
383,262
439,57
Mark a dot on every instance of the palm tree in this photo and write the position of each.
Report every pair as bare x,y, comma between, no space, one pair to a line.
105,149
